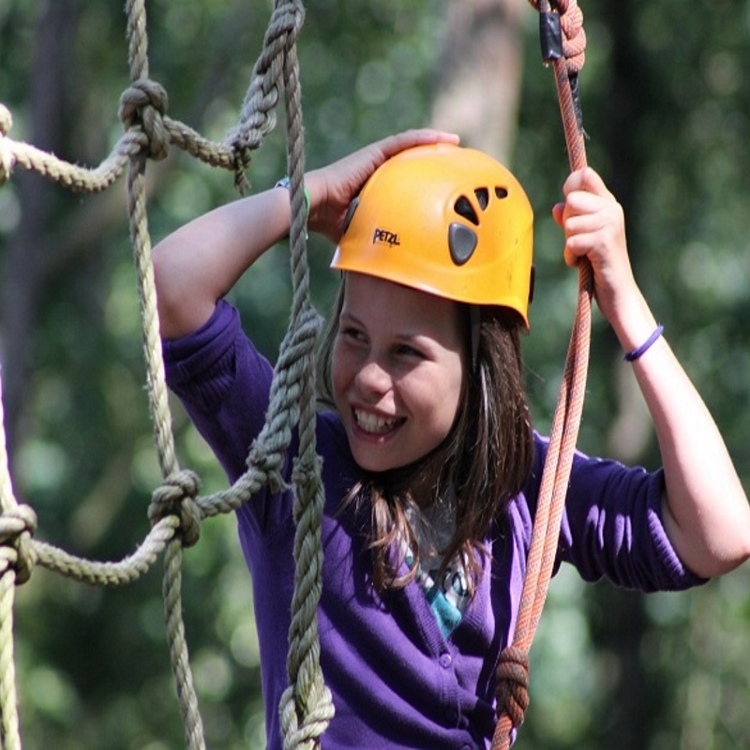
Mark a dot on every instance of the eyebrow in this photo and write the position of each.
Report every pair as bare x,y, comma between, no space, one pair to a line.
401,335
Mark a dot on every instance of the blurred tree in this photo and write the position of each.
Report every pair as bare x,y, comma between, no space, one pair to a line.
484,43
30,258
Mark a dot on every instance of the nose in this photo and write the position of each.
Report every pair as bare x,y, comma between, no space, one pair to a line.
373,379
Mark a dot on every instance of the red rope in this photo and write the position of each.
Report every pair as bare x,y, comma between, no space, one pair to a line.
512,672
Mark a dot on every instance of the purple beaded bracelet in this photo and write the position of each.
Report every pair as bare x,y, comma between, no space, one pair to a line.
645,346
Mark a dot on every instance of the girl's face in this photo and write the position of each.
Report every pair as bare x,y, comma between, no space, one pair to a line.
397,371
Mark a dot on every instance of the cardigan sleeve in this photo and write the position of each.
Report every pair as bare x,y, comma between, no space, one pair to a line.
612,525
224,383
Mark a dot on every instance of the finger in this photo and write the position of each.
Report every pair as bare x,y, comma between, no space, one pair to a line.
581,202
586,180
571,259
557,213
585,223
419,137
583,243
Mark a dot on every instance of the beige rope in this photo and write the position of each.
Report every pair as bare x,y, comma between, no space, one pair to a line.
176,510
14,534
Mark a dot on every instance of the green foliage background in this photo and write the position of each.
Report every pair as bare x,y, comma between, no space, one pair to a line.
666,105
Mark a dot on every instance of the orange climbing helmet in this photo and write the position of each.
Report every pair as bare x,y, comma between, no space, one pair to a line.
447,220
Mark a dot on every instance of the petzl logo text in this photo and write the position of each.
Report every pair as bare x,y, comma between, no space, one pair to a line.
386,237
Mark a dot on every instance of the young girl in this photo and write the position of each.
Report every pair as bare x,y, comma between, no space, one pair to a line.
430,465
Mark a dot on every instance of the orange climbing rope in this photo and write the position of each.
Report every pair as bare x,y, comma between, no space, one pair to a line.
563,45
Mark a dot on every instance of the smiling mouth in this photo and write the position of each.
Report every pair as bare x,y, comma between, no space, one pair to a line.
373,424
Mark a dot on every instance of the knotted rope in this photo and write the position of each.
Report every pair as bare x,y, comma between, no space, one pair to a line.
17,558
177,510
563,45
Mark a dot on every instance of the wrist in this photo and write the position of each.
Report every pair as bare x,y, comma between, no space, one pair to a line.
315,187
633,323
286,183
639,351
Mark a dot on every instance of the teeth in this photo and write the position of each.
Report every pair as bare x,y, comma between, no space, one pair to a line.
372,423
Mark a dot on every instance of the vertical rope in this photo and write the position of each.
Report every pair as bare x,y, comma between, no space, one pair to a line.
512,673
144,113
306,707
11,737
148,118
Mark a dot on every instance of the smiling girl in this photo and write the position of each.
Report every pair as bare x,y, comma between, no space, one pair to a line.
430,464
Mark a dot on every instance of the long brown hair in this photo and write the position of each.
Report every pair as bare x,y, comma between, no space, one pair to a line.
484,461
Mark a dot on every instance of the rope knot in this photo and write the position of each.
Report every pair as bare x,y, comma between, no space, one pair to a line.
258,117
177,497
144,104
307,470
17,527
7,158
305,713
573,34
268,462
513,684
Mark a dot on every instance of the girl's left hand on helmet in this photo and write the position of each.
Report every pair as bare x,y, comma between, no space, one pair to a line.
594,226
332,188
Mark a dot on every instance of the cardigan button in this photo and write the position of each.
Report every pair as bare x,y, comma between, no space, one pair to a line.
446,660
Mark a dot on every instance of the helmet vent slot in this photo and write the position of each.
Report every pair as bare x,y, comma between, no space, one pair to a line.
464,208
483,196
501,192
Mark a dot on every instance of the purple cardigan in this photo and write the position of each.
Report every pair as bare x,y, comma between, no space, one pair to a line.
396,681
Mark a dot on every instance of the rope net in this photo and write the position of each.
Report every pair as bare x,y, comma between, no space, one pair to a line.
177,509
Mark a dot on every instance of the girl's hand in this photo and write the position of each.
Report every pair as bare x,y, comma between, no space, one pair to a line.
594,226
333,188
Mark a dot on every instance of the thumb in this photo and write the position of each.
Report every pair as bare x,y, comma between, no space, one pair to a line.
557,213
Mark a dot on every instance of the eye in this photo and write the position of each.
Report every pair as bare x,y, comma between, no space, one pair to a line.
351,333
405,350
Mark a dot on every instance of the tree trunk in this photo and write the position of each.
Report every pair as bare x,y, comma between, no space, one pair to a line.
28,249
630,710
479,80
